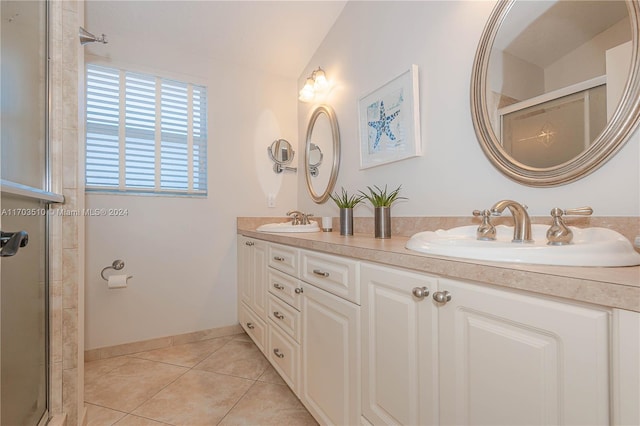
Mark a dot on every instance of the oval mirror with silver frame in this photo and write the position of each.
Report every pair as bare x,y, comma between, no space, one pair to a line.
322,143
525,130
281,153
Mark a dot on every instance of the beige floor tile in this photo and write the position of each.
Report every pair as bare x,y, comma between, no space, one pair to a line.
101,416
243,337
95,369
129,385
236,358
268,404
196,398
270,375
132,420
185,355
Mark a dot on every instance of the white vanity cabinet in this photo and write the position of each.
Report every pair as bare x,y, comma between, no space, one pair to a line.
361,343
484,356
252,279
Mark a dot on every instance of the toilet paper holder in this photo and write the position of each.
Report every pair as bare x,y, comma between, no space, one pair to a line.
117,265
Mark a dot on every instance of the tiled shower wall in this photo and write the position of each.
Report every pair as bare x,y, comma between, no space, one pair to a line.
66,303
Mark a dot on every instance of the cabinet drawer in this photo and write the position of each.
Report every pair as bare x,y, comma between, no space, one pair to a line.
255,327
284,355
287,318
285,287
285,259
337,275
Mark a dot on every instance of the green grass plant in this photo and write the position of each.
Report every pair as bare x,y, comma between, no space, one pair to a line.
382,197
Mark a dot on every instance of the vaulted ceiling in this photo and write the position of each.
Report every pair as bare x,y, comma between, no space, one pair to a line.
276,36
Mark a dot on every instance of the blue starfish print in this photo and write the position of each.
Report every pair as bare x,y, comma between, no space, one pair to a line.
382,125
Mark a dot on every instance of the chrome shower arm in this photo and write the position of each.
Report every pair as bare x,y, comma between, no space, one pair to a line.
86,37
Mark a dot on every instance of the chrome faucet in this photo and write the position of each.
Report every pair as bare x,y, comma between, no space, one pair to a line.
521,220
299,218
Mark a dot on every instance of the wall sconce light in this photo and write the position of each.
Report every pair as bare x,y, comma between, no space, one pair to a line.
316,83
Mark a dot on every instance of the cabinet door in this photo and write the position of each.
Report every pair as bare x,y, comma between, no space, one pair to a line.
399,347
512,359
330,357
245,267
252,275
259,279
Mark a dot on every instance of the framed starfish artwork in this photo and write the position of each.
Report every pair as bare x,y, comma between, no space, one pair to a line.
390,121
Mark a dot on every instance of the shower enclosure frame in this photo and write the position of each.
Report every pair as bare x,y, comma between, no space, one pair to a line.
46,197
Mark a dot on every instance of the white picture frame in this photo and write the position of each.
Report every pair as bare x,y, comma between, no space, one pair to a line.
389,121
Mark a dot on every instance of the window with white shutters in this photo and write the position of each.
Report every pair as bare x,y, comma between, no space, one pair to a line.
145,134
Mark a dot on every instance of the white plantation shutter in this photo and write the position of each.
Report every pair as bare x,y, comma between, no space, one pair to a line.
145,134
102,152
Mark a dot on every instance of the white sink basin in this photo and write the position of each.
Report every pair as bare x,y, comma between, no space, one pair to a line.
289,227
590,247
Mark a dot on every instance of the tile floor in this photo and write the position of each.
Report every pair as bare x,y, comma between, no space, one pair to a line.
222,381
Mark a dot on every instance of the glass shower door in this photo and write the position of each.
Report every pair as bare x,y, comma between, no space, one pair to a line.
23,319
23,222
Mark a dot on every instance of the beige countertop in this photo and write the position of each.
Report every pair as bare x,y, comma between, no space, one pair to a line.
610,287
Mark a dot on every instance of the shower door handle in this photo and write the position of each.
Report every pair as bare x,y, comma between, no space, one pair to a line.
10,242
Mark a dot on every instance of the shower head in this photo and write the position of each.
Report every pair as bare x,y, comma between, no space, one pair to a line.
87,37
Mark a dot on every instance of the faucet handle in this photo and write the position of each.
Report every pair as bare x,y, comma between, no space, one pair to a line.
295,216
486,231
578,211
305,218
559,234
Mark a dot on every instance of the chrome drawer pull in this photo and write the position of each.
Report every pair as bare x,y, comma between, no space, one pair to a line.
277,353
278,258
298,290
250,326
278,286
321,273
278,315
249,243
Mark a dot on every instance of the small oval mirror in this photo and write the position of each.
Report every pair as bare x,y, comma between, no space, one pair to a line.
322,141
281,153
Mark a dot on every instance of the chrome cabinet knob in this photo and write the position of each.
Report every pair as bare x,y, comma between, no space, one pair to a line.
298,290
420,292
250,326
320,273
277,353
442,296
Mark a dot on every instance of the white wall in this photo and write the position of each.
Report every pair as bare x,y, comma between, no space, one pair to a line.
513,77
182,251
586,61
373,42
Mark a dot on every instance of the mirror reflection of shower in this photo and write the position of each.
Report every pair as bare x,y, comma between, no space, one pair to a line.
86,37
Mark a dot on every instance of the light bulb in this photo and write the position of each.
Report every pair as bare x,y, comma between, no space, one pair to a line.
307,93
320,83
